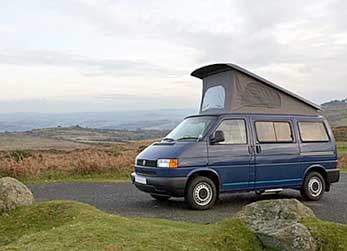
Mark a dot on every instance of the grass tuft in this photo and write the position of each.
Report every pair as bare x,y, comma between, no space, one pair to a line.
329,236
231,234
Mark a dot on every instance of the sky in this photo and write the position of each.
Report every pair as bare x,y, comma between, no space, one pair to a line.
104,55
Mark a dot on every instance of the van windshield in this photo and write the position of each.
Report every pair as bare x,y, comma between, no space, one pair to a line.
193,128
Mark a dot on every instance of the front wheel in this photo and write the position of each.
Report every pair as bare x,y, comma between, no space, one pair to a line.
313,187
201,193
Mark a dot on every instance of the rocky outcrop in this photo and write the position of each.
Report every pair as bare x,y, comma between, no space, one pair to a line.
13,194
277,224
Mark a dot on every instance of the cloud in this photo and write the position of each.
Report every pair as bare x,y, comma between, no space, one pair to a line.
6,29
301,46
88,66
253,33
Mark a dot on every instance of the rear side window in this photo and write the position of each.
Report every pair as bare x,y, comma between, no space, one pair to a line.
234,132
273,132
313,132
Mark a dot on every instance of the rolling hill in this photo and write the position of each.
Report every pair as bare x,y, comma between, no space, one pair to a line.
336,112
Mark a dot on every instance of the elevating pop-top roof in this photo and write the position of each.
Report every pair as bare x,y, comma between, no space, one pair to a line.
231,88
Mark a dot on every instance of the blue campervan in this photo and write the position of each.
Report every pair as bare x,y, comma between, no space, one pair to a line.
250,135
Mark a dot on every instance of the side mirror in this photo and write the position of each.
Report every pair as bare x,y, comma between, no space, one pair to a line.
217,137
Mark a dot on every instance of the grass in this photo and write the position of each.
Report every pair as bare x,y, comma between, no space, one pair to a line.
337,116
63,225
329,236
95,164
67,225
342,148
342,154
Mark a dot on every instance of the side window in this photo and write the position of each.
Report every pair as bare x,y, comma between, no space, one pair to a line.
274,132
234,132
214,98
313,132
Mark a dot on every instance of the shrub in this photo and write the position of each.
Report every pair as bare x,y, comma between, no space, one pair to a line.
118,159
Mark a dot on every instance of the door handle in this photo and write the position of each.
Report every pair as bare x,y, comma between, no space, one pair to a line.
258,148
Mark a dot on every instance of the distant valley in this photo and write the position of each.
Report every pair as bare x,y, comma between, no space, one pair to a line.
85,130
132,120
335,111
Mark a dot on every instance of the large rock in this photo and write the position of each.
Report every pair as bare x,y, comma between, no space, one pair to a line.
276,223
13,194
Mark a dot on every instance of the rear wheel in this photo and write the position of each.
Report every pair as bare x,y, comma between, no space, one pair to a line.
313,187
201,193
160,197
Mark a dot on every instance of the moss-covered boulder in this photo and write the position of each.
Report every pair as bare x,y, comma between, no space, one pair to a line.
13,194
277,224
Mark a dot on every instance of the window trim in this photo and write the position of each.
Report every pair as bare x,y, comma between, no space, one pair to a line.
239,144
275,142
313,141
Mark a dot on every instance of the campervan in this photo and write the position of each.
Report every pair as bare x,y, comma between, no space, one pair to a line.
249,135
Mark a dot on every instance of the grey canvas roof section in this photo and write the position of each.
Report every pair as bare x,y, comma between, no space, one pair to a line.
217,68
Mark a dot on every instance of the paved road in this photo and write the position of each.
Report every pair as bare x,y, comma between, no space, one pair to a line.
124,199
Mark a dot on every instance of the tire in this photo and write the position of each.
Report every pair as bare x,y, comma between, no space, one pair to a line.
160,197
201,193
313,187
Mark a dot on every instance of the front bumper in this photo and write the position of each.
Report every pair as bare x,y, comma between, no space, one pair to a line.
333,175
172,186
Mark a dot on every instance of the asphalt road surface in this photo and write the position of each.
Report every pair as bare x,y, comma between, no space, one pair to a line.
124,199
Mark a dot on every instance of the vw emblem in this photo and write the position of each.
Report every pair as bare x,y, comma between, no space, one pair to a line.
144,162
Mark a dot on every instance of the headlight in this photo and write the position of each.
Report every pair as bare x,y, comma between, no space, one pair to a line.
167,163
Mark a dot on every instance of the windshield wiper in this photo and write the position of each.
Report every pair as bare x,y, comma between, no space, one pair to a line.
187,137
168,139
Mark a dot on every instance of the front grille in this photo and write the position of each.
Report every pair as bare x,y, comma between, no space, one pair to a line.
145,172
145,162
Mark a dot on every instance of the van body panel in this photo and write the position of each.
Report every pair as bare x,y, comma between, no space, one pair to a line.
235,162
194,154
317,154
190,155
161,151
277,163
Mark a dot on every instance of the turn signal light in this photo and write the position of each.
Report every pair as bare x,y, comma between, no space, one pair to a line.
173,163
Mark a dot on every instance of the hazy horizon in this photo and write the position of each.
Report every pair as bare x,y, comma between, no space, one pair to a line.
22,107
98,56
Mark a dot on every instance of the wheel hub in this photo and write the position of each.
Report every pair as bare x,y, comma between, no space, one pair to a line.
202,194
315,186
